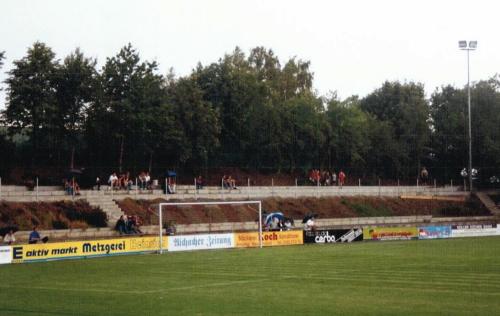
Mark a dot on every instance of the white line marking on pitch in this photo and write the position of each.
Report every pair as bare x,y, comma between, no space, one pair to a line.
168,289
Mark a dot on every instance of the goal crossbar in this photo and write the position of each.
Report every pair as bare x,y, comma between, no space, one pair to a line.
161,205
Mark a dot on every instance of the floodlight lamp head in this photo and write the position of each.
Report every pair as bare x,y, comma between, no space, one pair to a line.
472,44
462,44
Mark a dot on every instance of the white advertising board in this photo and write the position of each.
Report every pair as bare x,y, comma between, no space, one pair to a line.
199,242
5,254
475,230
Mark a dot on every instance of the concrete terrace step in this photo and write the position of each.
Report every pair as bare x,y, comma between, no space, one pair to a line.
50,194
488,203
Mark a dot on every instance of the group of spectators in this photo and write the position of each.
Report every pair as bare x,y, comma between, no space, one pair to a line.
71,187
327,178
228,182
280,224
34,237
128,225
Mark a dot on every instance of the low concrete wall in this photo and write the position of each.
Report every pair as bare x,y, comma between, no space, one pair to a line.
99,233
187,192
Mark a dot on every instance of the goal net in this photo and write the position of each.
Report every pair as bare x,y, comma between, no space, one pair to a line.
162,209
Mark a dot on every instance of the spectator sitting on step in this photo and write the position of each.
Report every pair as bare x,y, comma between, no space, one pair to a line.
310,225
170,228
133,224
288,223
75,187
121,225
9,237
126,182
232,183
225,183
35,237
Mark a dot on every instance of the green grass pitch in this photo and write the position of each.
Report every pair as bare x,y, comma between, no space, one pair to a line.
435,277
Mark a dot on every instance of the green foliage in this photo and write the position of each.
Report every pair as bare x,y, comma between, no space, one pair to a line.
450,121
246,111
404,108
31,99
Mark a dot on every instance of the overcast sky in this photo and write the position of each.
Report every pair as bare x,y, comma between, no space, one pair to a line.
354,46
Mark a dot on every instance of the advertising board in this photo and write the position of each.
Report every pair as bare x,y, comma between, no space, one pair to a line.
390,233
475,230
5,254
90,248
278,238
434,232
199,242
333,236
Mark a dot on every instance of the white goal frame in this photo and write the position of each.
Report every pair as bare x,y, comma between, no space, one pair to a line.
161,205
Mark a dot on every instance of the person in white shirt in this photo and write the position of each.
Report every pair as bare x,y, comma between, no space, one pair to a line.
310,225
9,238
113,180
147,179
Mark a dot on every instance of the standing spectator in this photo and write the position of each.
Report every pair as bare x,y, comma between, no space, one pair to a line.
67,187
199,182
98,183
142,180
311,176
9,238
334,178
424,175
75,186
113,180
147,180
171,185
341,178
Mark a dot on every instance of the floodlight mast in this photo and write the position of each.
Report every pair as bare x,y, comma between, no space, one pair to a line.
472,45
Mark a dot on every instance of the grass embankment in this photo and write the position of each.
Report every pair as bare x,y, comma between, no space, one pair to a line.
55,215
437,277
336,207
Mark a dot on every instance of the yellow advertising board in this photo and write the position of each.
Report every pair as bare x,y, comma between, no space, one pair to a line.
88,248
390,233
293,237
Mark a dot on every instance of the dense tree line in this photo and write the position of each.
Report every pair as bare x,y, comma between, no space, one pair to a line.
247,111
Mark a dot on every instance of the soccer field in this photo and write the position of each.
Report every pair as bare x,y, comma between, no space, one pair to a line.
446,277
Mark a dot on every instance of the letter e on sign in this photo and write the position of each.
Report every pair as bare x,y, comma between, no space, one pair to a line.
17,253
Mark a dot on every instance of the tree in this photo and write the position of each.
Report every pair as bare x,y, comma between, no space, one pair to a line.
129,89
2,56
31,99
199,121
450,125
406,109
76,85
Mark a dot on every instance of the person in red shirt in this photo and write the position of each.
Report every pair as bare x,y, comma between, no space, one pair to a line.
341,178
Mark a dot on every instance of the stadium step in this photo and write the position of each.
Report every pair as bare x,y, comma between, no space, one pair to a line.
488,203
108,206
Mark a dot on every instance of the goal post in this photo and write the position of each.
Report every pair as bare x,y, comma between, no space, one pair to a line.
162,205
